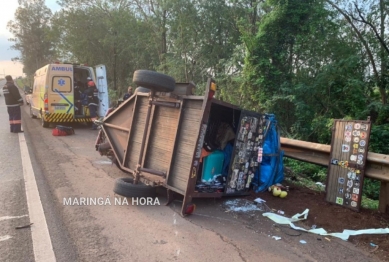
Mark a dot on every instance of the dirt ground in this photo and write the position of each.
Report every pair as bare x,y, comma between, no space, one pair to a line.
332,218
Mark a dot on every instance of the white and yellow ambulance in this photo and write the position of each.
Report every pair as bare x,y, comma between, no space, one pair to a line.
53,93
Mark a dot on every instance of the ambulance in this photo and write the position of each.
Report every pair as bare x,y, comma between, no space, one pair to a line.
56,93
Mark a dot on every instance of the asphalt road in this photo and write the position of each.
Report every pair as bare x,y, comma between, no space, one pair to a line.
68,170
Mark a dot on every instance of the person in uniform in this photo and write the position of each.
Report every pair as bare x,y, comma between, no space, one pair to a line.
93,101
77,98
13,100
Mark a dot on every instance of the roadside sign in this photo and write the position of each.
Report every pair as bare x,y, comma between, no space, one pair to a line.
349,148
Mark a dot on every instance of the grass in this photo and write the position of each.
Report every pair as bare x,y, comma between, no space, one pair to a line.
305,182
21,82
308,182
369,203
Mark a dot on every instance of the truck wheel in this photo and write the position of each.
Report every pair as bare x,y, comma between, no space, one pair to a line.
154,80
124,186
31,113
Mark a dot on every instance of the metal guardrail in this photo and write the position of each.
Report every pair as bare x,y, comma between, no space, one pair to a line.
377,166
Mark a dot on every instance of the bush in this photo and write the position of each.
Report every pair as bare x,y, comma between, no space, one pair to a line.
378,134
315,173
311,171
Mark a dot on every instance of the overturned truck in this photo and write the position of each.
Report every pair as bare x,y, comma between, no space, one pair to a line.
194,146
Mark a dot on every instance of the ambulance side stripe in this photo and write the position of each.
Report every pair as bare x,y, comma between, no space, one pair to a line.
64,97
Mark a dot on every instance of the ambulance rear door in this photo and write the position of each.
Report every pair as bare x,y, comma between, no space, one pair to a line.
60,97
102,86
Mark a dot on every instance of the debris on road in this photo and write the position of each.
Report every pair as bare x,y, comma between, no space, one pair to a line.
242,205
320,231
26,226
374,249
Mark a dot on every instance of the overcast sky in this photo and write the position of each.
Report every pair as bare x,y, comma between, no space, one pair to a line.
8,8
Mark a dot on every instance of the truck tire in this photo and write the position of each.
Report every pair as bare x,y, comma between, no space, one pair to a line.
124,186
142,90
154,80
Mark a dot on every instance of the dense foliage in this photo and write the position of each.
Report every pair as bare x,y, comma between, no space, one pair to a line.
309,62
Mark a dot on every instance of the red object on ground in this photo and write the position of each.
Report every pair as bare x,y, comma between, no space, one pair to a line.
58,132
190,209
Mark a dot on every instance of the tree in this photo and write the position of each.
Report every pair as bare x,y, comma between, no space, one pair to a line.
31,30
105,32
358,21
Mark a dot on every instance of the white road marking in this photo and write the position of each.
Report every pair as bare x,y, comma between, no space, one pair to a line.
8,217
43,249
6,237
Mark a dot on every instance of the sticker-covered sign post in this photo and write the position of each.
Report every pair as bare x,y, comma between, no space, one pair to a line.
349,148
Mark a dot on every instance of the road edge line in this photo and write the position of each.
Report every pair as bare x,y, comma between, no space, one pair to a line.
41,241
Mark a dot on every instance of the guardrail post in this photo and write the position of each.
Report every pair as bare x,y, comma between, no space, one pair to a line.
384,197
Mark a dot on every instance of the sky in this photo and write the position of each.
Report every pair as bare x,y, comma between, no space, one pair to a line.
8,8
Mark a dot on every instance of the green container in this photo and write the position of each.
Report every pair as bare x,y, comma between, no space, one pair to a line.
213,165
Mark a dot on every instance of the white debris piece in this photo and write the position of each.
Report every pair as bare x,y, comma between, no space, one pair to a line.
320,231
259,200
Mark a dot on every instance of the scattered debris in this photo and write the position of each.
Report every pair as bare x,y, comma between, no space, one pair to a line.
242,205
287,230
276,238
320,184
26,226
103,162
326,238
280,212
234,206
320,231
6,237
11,217
259,200
374,249
303,241
313,226
373,245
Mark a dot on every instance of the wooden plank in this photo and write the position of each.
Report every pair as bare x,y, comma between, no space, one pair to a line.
162,137
186,144
349,148
136,136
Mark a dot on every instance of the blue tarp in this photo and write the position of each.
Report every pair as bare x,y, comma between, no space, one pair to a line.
227,158
272,168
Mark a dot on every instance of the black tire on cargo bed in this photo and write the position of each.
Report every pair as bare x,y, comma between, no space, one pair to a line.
154,80
124,186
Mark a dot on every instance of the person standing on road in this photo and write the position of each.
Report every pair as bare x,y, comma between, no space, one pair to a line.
93,101
13,100
128,94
